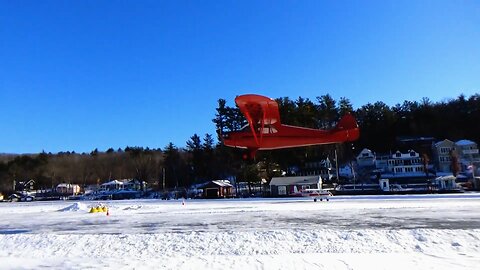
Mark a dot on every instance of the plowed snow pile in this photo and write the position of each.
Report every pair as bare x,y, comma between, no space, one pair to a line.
370,232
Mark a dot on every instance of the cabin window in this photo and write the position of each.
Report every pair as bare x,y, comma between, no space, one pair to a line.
282,190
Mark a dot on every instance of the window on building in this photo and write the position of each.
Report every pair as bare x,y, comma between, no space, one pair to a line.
445,150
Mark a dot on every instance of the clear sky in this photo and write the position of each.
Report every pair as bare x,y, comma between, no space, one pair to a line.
80,75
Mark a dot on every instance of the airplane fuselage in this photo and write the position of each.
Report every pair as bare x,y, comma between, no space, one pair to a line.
288,137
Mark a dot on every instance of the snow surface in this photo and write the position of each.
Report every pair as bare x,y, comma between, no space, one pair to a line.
348,232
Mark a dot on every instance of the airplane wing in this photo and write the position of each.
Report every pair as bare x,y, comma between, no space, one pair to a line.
261,112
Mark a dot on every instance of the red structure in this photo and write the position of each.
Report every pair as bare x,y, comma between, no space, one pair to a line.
265,132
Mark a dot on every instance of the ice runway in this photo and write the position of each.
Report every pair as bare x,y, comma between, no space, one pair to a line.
359,232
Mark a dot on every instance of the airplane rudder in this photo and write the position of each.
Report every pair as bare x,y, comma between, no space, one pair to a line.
348,121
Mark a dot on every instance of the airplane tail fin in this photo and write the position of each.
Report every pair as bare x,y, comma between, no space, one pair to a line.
348,127
347,122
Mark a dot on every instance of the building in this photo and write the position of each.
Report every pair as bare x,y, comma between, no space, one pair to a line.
134,184
25,185
445,183
71,189
420,144
409,164
442,155
469,157
323,168
381,162
217,189
466,151
293,185
112,185
366,158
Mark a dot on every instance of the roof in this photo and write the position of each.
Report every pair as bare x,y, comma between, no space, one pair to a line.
219,183
366,150
408,139
113,182
66,185
443,142
464,142
294,180
222,183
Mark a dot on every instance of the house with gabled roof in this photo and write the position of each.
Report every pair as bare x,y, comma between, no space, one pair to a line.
469,156
65,188
442,155
217,189
366,158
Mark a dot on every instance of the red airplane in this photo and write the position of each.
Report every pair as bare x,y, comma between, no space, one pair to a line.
266,132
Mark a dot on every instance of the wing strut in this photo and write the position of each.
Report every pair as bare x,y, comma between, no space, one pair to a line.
263,122
252,127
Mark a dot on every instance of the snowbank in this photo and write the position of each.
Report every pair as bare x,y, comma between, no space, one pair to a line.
75,207
368,233
235,250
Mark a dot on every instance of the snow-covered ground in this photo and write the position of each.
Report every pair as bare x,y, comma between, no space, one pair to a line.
360,232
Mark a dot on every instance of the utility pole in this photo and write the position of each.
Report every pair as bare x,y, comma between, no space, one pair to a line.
354,178
163,176
336,164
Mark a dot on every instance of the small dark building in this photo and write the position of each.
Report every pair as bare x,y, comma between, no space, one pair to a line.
24,185
217,189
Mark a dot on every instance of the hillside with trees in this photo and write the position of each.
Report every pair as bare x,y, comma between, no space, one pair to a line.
203,158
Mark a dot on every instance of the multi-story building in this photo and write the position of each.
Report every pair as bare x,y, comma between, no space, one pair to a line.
469,156
466,151
409,163
442,155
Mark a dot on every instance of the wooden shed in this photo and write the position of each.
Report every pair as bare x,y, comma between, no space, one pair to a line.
217,189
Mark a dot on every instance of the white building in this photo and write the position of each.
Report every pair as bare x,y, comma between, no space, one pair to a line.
402,164
468,155
366,158
293,185
65,188
112,185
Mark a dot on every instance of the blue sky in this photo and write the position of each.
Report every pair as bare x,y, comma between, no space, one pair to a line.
80,75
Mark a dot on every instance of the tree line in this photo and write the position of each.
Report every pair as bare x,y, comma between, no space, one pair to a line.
205,158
